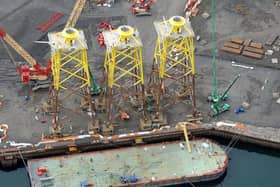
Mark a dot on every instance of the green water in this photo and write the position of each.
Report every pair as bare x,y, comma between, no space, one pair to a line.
250,166
14,178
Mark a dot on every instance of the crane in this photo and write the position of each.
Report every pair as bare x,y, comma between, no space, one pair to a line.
75,14
217,99
36,71
218,106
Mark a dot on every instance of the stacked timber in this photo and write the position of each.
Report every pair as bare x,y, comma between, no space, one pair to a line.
246,48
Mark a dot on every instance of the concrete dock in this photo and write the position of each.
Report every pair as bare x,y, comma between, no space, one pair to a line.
263,136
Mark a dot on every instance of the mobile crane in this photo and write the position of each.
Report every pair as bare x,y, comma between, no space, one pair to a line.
32,72
218,106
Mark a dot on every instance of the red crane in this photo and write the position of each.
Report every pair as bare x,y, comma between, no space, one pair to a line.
33,71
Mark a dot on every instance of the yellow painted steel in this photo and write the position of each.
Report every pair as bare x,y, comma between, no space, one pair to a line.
69,35
187,139
21,51
124,59
75,14
59,64
73,149
125,34
183,127
176,37
71,63
139,140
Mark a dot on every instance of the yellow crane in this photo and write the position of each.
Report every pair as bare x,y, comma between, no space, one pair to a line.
75,14
183,126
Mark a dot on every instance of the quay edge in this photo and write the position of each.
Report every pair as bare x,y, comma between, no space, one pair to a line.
77,144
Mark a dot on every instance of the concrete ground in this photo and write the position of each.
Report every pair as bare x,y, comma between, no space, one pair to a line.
257,20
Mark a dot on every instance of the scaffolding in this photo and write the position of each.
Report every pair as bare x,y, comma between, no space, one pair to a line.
173,66
123,69
70,71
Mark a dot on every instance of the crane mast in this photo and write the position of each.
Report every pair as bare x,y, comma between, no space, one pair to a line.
22,52
75,14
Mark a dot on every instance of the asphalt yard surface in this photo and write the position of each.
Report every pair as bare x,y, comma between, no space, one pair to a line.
256,20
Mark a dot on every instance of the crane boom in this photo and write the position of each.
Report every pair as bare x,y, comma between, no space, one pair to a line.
36,71
75,14
22,52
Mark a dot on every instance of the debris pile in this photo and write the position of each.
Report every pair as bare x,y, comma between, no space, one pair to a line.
276,95
105,3
247,48
271,40
3,132
273,44
277,3
142,7
205,15
242,9
1,101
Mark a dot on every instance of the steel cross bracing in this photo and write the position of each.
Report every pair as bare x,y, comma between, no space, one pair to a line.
174,60
68,66
168,62
123,65
70,70
126,62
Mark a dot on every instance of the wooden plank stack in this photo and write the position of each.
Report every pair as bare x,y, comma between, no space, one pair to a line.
246,48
